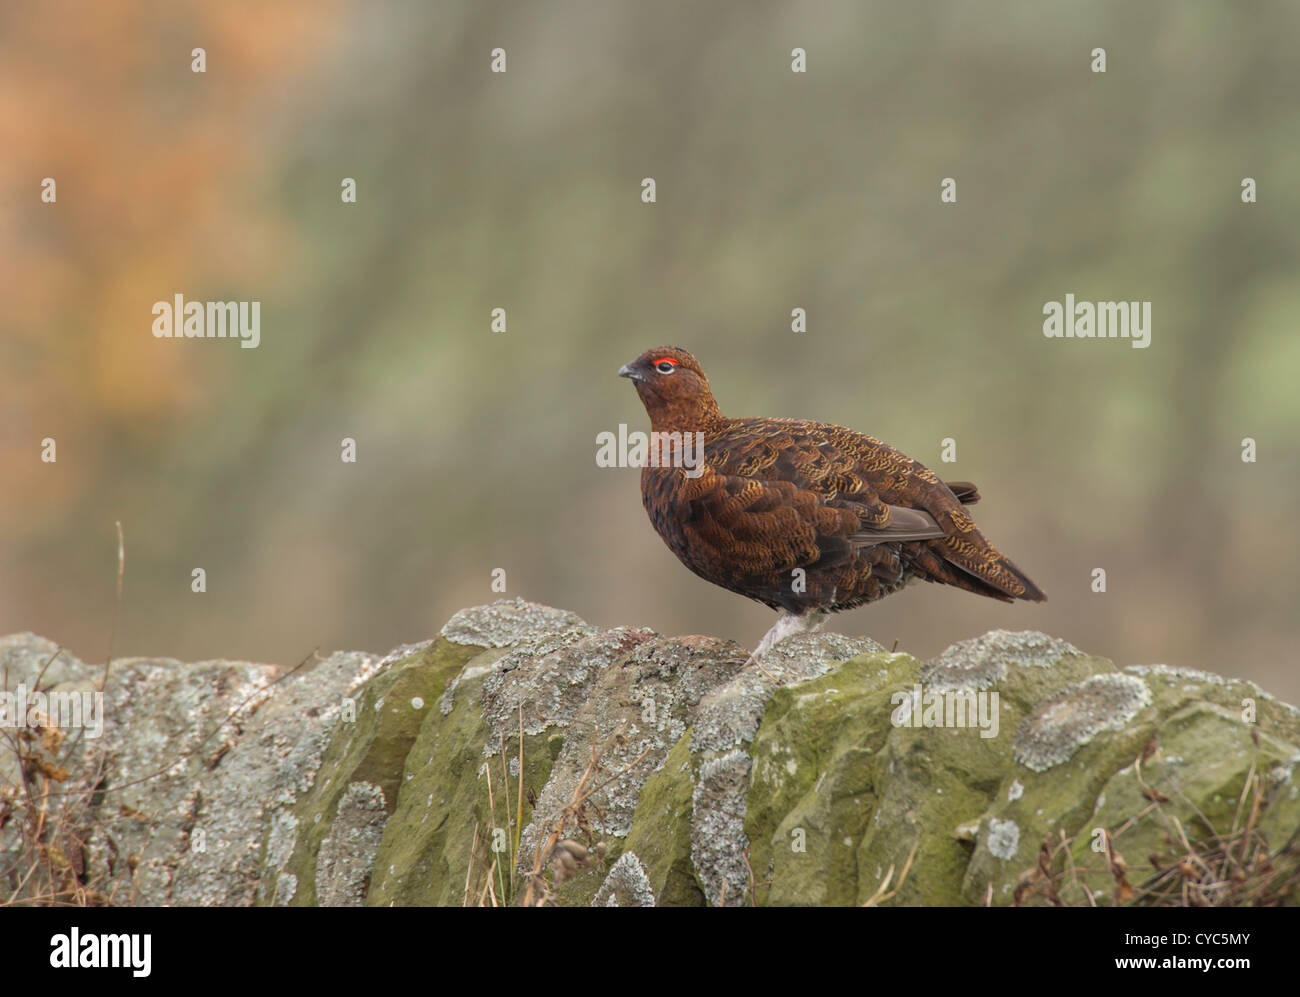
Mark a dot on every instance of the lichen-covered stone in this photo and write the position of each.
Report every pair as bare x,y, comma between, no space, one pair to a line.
812,787
984,661
661,831
507,622
462,774
1061,724
438,773
347,853
367,753
198,763
627,885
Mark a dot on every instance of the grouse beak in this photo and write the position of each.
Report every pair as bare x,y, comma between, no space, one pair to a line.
627,371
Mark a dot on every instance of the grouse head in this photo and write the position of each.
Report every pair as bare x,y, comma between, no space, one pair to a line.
673,389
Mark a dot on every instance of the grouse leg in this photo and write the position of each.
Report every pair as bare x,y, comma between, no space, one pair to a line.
787,625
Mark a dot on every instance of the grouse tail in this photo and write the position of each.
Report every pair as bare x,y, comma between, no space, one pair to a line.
996,574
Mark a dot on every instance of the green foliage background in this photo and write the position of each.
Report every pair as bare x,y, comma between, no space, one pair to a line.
775,191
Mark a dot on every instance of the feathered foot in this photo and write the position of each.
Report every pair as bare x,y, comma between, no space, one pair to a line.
787,625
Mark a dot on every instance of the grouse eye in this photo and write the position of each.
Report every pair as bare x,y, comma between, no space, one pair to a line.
666,366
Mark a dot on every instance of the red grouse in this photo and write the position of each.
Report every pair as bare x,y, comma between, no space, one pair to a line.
768,497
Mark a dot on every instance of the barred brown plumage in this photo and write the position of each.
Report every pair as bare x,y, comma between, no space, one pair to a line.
773,496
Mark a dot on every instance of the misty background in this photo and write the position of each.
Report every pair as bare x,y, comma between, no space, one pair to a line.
522,191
